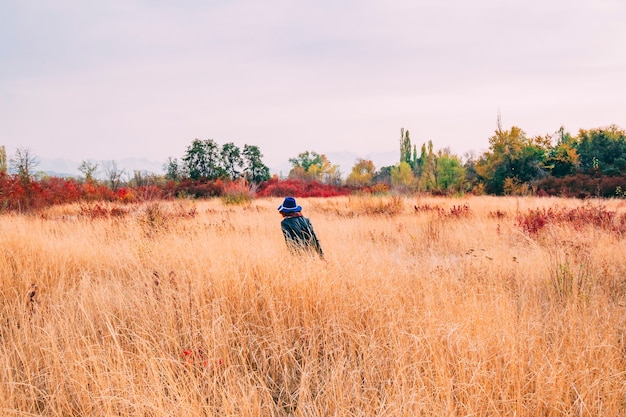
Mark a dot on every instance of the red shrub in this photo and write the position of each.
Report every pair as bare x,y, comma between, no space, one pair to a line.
578,217
276,187
199,188
581,185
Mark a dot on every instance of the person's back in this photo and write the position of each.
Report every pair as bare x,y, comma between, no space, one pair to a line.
297,229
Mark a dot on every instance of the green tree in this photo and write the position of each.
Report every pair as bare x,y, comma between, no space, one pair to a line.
450,172
405,147
603,149
362,173
202,160
231,160
383,175
471,180
172,169
511,155
254,169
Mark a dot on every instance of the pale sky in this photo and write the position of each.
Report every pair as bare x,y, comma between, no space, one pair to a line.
107,80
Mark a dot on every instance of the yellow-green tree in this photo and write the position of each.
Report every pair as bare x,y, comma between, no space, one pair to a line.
362,173
450,171
428,168
402,176
563,158
310,165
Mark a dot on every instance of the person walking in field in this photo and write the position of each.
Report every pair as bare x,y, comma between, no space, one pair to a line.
297,229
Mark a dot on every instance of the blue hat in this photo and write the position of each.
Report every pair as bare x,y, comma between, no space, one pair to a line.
289,206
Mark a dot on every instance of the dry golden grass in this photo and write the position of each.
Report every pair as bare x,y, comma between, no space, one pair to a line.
422,308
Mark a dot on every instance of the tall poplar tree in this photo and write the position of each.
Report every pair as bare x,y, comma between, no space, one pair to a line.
3,160
405,147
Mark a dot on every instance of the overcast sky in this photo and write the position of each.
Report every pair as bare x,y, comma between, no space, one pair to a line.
108,80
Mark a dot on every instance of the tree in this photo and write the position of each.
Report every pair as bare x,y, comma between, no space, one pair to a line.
427,167
402,175
254,170
362,173
511,155
88,169
330,172
202,160
383,175
231,160
602,149
142,178
3,160
172,169
23,163
306,166
470,176
313,166
113,174
563,159
405,147
450,171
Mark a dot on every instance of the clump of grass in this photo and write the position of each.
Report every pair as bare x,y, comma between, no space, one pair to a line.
157,216
391,206
102,210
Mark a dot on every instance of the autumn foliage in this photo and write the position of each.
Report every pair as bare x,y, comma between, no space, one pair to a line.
580,218
276,187
19,195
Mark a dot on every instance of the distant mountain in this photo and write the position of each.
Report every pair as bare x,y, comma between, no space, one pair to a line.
58,167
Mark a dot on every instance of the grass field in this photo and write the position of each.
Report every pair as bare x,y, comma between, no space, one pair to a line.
422,307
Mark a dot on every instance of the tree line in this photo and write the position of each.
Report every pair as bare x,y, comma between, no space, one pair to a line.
591,163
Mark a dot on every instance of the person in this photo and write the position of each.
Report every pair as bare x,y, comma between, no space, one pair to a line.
297,229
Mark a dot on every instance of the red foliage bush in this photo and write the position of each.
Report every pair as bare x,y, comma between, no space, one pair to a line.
96,192
199,188
150,193
579,218
19,195
460,211
276,187
581,185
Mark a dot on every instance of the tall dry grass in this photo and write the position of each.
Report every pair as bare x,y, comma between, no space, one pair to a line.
424,306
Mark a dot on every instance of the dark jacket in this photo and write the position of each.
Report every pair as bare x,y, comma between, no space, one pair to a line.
299,234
